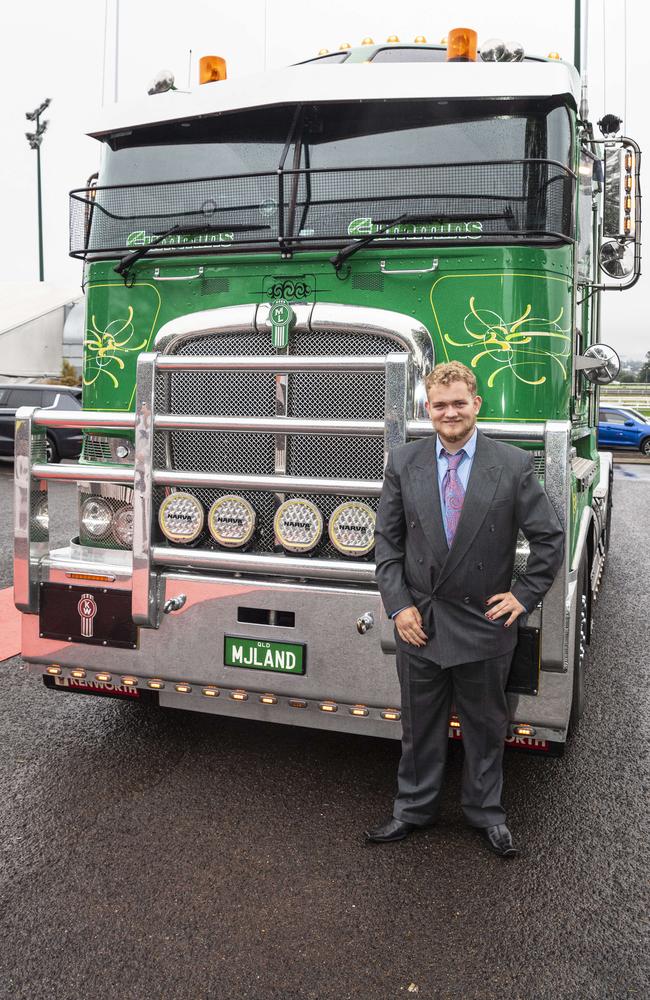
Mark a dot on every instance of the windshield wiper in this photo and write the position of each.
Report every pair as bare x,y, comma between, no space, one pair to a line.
338,259
350,248
347,251
129,259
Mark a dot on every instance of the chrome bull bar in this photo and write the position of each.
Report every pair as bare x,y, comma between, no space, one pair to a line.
32,474
31,542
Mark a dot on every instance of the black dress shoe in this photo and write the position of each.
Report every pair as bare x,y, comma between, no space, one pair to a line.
392,829
500,840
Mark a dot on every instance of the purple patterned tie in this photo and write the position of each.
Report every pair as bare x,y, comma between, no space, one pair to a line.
453,493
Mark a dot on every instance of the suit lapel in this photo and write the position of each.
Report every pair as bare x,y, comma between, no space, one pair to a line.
424,484
482,485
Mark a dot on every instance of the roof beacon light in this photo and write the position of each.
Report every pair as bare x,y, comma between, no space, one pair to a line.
392,39
211,69
461,45
367,41
420,40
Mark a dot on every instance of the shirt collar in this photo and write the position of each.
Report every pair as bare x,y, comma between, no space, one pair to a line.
469,447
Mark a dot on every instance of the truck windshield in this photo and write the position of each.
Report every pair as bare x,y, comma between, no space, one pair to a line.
482,169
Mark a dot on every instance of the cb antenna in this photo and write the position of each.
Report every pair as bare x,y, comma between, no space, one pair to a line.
581,39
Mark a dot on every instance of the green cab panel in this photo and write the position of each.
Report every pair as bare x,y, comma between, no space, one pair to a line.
505,312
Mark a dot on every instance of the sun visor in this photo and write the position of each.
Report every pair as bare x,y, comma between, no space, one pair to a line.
364,82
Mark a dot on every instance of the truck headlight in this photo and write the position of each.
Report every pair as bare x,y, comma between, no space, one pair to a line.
181,517
231,521
352,528
96,517
298,525
123,526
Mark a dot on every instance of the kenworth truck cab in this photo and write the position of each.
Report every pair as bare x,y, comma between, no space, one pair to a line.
272,265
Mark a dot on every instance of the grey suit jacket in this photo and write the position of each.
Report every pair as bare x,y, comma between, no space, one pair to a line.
450,586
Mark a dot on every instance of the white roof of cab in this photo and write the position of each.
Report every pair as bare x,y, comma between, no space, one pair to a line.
363,82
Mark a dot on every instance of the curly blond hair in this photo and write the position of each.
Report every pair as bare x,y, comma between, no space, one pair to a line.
451,371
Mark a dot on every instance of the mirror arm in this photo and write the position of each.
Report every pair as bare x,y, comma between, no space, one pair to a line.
581,363
618,288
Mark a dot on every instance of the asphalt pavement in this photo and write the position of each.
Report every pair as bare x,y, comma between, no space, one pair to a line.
160,855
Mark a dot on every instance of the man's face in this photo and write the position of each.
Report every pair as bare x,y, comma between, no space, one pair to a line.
453,411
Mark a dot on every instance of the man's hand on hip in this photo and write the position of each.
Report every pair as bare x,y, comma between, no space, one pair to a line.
505,604
408,623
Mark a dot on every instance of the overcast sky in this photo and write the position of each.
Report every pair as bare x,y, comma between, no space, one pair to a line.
65,50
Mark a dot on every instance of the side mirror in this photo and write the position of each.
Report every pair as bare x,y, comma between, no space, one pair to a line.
620,257
629,423
600,364
616,259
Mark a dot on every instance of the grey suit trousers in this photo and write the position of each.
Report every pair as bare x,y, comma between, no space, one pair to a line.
478,693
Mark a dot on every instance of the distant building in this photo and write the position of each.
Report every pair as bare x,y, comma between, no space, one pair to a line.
41,324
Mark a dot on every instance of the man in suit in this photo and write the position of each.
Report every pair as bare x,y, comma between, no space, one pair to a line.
450,511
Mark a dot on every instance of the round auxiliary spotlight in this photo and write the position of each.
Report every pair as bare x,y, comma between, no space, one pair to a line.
181,517
298,525
231,521
352,528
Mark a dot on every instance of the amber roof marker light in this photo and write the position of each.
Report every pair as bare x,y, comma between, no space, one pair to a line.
212,69
462,44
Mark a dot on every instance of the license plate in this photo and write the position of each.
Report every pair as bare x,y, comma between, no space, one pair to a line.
257,654
98,616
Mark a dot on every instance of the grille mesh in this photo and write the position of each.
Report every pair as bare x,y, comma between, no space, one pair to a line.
96,449
329,395
368,282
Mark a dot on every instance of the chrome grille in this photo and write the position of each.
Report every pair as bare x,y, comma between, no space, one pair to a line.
223,452
335,395
327,395
335,457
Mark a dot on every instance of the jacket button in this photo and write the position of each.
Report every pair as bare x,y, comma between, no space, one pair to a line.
465,600
420,559
412,524
479,565
491,527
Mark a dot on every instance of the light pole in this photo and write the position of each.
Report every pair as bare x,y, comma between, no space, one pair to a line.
35,139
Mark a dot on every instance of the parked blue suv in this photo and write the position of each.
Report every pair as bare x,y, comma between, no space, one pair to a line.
621,427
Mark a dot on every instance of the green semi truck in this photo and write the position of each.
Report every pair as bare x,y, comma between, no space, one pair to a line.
271,266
